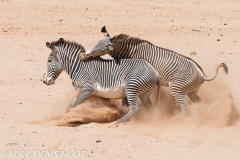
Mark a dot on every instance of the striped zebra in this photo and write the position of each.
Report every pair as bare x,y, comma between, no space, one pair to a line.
181,74
130,78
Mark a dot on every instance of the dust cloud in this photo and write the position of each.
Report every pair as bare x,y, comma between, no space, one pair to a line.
93,109
217,110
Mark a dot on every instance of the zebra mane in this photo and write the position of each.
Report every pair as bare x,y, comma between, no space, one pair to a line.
63,43
129,39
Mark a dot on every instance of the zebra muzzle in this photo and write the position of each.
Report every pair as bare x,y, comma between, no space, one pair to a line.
48,81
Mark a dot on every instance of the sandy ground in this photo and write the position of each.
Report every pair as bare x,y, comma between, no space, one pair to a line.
32,114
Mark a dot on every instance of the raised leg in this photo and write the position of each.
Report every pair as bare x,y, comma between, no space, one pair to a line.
84,93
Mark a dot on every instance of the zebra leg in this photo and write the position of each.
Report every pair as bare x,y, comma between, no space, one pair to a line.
194,96
144,97
180,98
184,109
84,93
146,101
183,103
133,108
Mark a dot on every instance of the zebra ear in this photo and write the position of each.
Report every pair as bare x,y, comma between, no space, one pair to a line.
104,31
49,45
61,38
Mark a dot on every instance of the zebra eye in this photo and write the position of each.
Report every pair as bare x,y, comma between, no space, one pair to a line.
49,61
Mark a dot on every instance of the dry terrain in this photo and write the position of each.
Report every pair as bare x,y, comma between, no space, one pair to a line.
32,114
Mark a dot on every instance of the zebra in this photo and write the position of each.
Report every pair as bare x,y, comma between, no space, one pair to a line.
180,73
130,78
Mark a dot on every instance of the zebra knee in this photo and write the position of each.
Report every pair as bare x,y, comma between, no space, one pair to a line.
180,99
133,109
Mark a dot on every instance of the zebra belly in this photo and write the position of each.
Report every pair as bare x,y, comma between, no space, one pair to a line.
113,93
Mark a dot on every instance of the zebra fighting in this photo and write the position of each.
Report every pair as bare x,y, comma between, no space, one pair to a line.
126,78
180,73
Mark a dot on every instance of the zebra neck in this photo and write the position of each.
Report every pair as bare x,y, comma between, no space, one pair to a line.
71,63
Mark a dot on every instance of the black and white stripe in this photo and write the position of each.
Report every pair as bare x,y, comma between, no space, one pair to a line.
183,75
136,77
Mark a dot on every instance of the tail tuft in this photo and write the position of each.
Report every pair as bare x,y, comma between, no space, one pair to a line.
225,68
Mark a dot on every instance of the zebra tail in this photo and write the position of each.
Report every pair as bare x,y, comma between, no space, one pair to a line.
225,69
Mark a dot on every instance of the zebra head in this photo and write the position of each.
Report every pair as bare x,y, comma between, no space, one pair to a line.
102,47
54,66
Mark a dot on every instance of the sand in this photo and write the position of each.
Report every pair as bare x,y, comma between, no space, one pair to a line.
32,116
